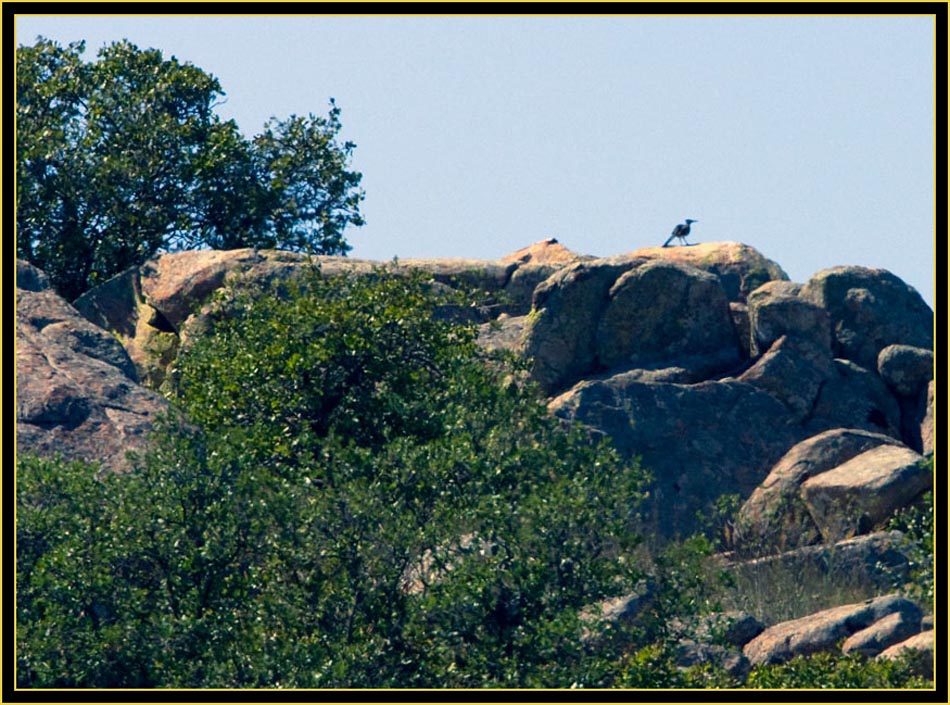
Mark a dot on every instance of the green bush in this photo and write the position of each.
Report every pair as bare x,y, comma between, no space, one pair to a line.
917,524
834,670
354,499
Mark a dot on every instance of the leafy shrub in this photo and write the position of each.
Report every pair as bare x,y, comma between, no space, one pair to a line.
917,524
835,670
65,635
354,499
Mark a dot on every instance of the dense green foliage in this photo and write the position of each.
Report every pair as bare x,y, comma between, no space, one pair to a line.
356,500
124,157
828,670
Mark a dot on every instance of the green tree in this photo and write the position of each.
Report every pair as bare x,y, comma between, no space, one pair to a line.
124,157
313,197
355,499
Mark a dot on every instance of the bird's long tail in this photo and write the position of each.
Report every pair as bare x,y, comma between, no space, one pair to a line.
668,240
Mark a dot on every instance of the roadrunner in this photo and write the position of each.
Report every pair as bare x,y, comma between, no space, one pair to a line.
680,231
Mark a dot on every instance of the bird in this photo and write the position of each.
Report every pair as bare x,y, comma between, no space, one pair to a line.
680,231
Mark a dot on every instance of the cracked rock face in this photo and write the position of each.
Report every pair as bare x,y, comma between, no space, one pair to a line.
77,391
699,441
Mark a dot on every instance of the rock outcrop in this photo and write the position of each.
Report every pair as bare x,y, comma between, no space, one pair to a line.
152,309
651,309
148,308
77,391
649,350
704,361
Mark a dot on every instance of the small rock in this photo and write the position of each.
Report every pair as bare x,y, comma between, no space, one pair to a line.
691,653
504,333
29,278
548,251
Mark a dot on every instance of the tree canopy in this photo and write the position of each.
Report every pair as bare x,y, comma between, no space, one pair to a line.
124,157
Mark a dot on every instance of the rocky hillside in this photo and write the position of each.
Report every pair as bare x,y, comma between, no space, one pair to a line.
705,361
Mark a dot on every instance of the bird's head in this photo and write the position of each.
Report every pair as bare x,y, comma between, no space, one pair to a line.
690,220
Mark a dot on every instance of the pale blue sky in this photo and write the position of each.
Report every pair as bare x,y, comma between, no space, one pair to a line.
808,138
